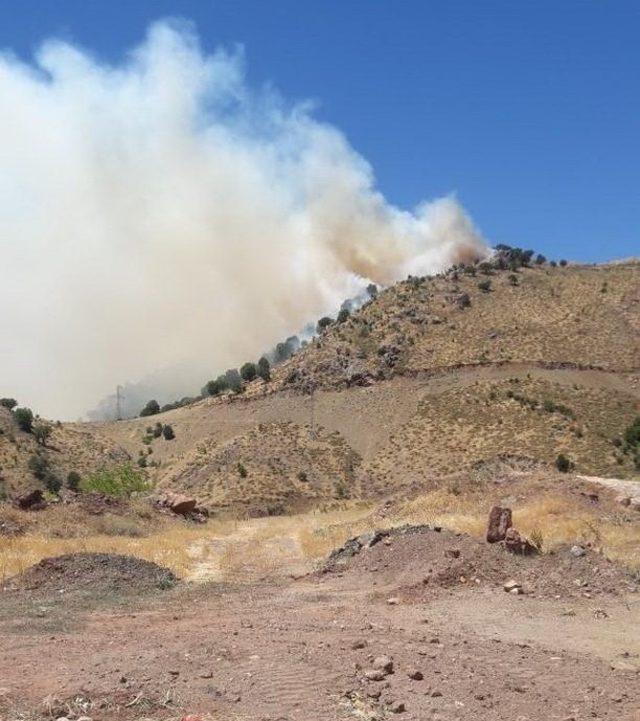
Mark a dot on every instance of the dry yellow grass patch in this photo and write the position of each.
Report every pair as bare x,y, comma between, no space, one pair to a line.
168,548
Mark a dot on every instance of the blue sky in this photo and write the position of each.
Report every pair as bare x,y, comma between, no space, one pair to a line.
528,111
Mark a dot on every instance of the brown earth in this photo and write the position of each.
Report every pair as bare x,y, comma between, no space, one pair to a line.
304,649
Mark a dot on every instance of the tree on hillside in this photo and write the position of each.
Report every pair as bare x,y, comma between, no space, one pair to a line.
323,323
372,290
234,380
150,409
24,418
264,369
41,431
9,403
343,315
248,372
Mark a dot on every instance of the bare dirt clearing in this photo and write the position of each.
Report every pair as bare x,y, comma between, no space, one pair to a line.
306,649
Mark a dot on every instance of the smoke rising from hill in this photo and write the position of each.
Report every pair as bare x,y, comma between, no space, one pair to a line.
161,214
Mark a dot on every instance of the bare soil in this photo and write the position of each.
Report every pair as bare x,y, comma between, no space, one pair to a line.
300,649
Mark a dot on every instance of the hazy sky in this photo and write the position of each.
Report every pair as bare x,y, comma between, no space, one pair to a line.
529,111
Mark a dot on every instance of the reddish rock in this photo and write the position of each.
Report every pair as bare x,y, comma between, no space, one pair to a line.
33,501
499,524
182,505
515,543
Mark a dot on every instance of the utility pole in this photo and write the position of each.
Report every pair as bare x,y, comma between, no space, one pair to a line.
119,399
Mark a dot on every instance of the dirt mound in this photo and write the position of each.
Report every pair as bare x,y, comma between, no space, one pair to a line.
415,562
94,572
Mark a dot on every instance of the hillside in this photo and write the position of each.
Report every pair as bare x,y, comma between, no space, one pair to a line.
433,377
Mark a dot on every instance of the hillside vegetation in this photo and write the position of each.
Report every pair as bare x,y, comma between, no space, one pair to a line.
430,378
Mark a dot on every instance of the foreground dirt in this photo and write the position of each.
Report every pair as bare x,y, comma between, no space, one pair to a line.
303,648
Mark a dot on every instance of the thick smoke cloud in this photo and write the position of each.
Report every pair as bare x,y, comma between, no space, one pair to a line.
160,214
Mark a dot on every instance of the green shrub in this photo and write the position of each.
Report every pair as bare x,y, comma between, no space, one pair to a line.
9,403
41,431
117,481
242,471
563,464
52,483
73,480
248,372
484,286
513,279
156,431
563,262
38,465
372,290
150,409
24,418
323,323
632,433
264,369
343,315
167,433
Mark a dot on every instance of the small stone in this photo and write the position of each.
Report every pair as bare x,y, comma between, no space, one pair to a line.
512,585
452,553
436,694
577,551
360,643
394,601
623,500
383,663
375,674
415,674
397,707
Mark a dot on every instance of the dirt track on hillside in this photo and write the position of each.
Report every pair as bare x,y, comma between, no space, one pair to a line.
349,411
289,649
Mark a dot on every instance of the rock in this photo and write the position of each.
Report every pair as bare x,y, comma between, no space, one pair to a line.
415,674
33,501
383,663
512,585
499,524
515,543
577,551
394,601
452,553
358,644
623,500
397,707
179,504
634,503
375,674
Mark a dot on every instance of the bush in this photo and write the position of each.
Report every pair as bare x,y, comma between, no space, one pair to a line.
563,464
38,465
24,418
41,431
151,409
167,433
485,286
117,481
372,290
513,279
540,259
632,433
248,372
343,315
156,431
233,380
264,369
73,481
464,301
242,471
553,263
52,483
9,403
563,262
323,323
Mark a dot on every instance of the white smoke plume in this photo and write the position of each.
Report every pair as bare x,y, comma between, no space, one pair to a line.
161,214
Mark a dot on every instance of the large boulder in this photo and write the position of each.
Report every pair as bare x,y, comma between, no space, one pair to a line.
499,524
179,504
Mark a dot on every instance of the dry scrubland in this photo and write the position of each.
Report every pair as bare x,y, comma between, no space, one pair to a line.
433,402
